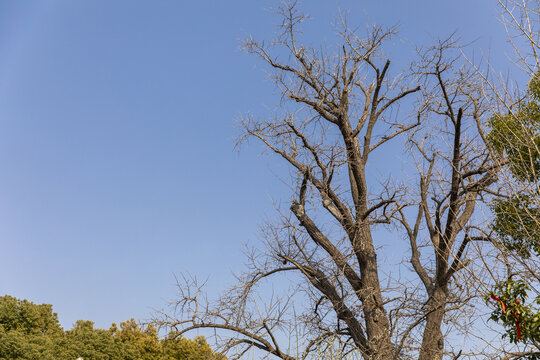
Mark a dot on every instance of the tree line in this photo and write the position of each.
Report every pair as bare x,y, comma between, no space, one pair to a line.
32,332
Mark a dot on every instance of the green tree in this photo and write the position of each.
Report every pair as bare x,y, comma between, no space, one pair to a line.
144,342
177,347
27,317
32,332
515,137
27,331
96,344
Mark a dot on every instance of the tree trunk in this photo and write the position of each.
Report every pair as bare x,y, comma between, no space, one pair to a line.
433,341
377,324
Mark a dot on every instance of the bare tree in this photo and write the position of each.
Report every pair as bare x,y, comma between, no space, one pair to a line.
337,110
455,174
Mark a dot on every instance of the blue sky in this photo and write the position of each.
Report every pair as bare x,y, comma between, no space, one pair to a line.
117,127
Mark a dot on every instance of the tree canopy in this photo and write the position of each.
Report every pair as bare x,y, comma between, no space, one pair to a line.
515,137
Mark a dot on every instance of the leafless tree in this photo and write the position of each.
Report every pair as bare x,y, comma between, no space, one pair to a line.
455,174
337,110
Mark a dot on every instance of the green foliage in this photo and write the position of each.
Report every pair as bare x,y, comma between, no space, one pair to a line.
32,332
27,331
516,137
144,343
512,310
178,347
27,318
516,223
89,343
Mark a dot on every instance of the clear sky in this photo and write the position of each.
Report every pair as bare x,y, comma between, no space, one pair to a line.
117,127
